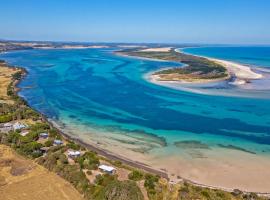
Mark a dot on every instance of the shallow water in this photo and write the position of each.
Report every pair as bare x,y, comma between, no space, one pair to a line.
96,93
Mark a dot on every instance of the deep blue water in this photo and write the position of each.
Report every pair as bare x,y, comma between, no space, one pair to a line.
104,91
258,56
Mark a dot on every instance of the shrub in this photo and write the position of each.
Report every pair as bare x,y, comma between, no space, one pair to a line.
150,181
88,161
6,118
38,127
135,175
121,190
31,149
48,143
73,146
105,179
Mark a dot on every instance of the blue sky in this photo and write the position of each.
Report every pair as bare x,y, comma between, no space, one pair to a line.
171,21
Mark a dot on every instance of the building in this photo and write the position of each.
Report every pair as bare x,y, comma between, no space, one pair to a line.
44,135
18,126
57,142
5,128
73,154
8,125
24,133
107,169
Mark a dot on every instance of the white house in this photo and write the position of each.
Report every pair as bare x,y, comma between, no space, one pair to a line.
57,142
18,126
8,125
44,135
24,133
74,154
107,169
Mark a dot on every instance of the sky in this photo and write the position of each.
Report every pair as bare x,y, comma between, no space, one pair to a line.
161,21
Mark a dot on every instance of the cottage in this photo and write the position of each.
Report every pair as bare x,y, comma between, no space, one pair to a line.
8,125
107,169
19,126
5,128
24,133
57,142
73,154
44,135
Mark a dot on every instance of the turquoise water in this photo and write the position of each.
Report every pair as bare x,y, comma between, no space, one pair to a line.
258,56
95,88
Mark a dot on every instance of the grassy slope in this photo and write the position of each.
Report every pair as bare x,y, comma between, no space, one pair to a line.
5,80
23,179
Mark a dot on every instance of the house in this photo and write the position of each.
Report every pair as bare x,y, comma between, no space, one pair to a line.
24,133
5,128
8,125
44,135
19,126
73,154
57,142
107,169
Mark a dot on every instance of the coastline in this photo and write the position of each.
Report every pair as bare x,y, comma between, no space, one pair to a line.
236,70
238,74
129,162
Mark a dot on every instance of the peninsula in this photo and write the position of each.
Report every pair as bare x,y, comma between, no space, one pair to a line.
196,69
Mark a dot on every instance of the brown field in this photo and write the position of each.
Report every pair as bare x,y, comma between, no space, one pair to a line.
5,80
22,179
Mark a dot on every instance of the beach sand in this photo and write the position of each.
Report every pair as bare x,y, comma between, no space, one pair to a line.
216,167
241,72
159,49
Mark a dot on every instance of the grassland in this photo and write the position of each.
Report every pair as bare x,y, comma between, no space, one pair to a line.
23,179
5,79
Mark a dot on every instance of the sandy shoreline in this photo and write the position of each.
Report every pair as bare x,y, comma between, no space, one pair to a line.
241,73
214,168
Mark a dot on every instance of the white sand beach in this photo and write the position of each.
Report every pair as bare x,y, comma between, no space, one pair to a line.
158,49
242,73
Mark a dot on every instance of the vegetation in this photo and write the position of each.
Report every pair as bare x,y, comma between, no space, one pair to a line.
117,190
196,67
189,192
88,161
136,175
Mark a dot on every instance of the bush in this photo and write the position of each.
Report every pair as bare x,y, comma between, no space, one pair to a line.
38,127
31,149
121,190
135,175
73,146
105,179
150,183
30,137
6,118
88,161
48,143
